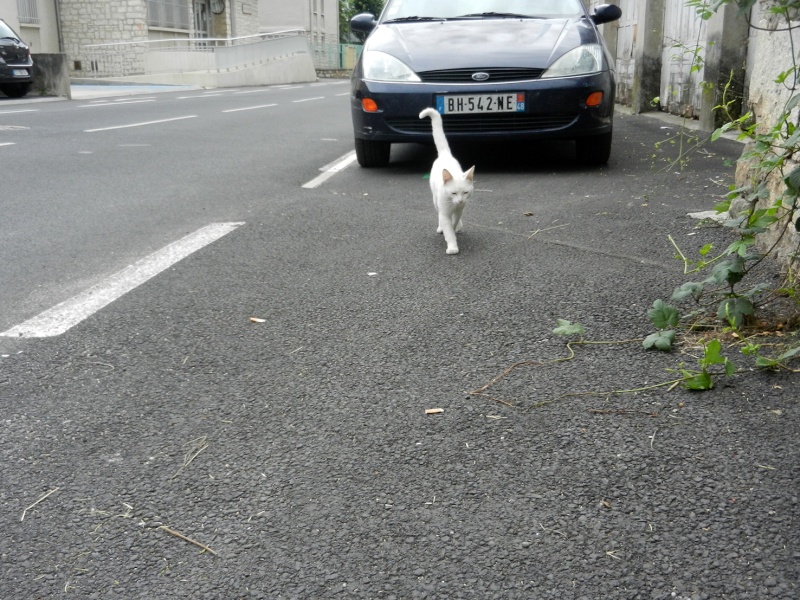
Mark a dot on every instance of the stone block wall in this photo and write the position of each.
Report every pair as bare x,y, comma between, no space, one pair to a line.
246,17
85,22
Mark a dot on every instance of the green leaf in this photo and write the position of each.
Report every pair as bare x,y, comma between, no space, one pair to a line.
730,368
740,246
734,310
706,249
731,271
700,381
792,102
766,363
721,130
690,288
711,355
663,315
771,363
660,340
568,328
723,206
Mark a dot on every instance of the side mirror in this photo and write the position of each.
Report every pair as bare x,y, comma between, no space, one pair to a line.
605,13
365,22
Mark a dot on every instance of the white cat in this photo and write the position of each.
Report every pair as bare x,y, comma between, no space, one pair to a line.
450,186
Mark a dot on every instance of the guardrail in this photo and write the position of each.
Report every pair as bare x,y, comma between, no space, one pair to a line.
335,56
184,55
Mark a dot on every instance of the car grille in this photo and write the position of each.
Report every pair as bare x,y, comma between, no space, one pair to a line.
496,75
500,123
13,54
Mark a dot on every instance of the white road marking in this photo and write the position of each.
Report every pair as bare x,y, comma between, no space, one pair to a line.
7,144
140,124
66,315
345,94
309,99
13,112
249,108
117,103
258,91
203,96
332,169
289,87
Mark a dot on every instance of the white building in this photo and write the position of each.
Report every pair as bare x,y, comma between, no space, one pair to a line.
319,18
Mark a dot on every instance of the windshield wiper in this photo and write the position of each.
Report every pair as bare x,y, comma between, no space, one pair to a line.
414,18
498,15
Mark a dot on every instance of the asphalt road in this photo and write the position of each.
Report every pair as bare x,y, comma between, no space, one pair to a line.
251,422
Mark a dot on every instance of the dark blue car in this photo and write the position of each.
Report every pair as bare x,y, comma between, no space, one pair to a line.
494,69
16,66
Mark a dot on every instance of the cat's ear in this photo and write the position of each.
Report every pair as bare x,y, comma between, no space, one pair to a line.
446,176
470,174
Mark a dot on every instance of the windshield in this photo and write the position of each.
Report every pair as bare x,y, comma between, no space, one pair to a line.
413,10
6,32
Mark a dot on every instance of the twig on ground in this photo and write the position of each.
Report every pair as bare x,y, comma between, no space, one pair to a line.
22,518
196,447
620,411
553,530
546,229
187,539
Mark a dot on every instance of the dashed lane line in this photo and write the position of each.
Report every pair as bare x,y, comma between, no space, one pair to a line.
249,108
66,315
116,103
140,124
332,169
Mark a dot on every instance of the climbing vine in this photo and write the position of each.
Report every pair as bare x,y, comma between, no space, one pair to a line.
728,292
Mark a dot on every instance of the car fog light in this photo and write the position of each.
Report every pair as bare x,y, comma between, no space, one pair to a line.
594,99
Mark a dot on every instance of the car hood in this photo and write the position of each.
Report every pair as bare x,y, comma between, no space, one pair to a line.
482,43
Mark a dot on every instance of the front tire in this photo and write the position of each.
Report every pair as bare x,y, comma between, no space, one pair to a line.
372,154
15,90
593,151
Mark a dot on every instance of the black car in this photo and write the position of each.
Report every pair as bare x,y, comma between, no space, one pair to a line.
16,65
494,69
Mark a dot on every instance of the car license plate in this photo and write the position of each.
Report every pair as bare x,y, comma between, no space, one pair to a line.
480,103
19,72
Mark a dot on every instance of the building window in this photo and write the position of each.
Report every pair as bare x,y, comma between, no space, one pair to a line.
28,11
173,14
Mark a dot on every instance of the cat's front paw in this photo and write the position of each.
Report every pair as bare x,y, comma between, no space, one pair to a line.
452,249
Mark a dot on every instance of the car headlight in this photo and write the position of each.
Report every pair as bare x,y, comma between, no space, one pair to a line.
379,66
578,61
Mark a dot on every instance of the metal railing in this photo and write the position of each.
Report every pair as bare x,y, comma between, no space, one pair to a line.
335,56
183,55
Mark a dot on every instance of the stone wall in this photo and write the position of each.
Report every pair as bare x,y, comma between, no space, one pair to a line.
246,17
769,54
50,75
85,22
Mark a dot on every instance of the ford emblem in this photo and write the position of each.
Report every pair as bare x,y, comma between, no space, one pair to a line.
480,76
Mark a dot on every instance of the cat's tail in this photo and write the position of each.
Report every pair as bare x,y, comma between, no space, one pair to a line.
442,147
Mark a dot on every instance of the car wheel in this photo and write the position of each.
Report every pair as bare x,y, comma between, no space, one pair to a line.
594,150
372,154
